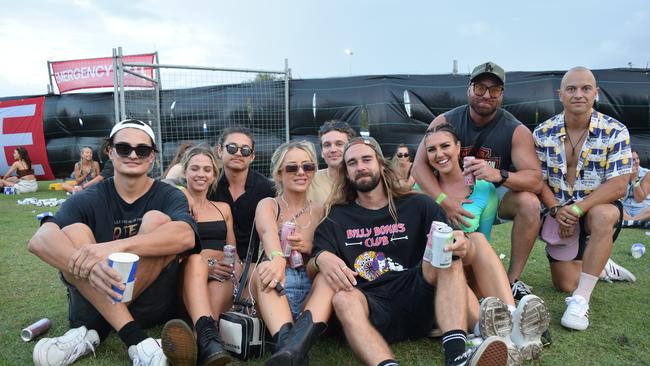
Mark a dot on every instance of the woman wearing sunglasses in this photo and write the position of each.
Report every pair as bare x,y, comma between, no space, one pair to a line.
292,165
401,163
483,269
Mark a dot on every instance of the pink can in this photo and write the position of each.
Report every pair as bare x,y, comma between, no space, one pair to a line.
295,260
469,177
36,329
288,229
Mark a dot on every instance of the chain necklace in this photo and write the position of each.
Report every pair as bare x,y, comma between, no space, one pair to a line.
295,217
573,146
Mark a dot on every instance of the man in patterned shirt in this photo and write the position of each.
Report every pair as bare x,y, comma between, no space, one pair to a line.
586,164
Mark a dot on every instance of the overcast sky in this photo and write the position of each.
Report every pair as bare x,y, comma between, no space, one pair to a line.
386,37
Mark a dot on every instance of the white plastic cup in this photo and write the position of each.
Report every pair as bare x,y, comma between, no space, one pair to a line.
638,250
126,264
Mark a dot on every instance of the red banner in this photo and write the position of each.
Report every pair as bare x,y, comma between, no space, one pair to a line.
98,73
21,124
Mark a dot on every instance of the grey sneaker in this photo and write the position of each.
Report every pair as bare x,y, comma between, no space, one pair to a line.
530,320
495,319
66,349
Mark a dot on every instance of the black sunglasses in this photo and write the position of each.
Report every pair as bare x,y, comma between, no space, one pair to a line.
124,150
246,150
402,155
306,167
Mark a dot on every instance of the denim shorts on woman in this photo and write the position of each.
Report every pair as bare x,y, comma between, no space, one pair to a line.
297,286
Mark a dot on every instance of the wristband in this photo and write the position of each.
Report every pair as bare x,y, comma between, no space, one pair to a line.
274,254
577,210
441,197
315,259
637,183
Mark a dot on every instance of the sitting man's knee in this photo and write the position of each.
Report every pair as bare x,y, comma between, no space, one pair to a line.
602,217
153,219
344,302
565,285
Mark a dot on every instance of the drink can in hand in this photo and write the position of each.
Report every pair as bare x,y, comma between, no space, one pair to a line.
288,229
229,254
36,329
427,251
439,257
467,176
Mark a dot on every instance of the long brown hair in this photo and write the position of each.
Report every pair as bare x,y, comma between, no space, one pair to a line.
344,193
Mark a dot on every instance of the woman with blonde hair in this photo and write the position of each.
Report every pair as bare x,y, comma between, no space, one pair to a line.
84,170
208,282
25,180
281,283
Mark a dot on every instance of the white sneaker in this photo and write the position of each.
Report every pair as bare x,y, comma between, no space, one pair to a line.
66,349
494,318
576,315
614,272
530,321
147,353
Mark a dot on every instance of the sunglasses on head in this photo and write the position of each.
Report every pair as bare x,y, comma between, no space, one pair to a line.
402,155
306,167
124,150
244,149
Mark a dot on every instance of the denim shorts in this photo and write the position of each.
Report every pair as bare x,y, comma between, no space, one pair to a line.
297,286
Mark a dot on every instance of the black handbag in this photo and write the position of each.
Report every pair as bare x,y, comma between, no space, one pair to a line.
242,333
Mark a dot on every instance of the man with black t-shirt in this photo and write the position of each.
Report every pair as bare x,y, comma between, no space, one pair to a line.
240,186
127,213
368,250
504,153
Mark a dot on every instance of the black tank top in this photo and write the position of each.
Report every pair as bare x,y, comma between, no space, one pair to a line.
213,233
496,147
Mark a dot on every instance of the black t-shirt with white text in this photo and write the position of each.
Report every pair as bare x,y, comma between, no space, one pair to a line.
109,217
370,241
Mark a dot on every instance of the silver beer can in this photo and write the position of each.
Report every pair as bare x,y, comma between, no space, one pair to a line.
229,254
427,251
441,237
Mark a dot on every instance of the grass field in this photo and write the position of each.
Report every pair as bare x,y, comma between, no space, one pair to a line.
618,334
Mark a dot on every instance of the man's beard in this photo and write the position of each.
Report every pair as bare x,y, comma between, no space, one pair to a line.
366,186
482,111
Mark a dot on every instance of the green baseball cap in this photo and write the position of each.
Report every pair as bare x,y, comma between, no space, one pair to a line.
489,68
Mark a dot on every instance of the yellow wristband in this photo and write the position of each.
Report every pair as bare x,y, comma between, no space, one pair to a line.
441,197
274,254
577,210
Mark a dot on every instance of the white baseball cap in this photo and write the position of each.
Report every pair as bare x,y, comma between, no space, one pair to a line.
133,123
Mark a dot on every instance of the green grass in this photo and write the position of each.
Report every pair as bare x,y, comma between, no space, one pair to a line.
617,334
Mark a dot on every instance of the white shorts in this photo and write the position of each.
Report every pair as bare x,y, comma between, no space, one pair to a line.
26,186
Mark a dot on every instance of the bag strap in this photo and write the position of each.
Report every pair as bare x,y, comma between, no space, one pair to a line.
484,133
247,264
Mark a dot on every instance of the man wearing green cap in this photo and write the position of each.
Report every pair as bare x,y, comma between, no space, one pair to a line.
504,153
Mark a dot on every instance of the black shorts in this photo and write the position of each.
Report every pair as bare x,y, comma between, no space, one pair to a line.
404,307
582,240
155,305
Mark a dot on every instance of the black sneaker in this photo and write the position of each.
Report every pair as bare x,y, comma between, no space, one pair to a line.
492,352
520,289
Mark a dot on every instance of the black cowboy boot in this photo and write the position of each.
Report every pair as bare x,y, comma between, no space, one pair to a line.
211,352
299,340
280,338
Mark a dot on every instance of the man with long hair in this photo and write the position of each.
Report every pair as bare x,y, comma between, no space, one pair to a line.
368,251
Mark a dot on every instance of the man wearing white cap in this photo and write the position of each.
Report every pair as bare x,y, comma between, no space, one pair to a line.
132,213
586,164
